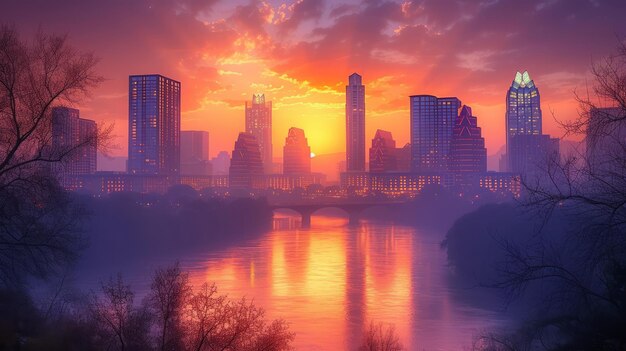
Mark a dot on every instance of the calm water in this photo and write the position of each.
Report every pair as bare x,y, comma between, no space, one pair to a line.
329,281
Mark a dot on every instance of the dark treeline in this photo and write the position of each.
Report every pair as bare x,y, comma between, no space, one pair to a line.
436,208
180,220
173,316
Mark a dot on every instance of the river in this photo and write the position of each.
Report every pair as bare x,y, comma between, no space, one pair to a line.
330,281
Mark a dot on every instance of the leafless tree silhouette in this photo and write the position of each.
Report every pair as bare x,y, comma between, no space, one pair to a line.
380,337
38,223
584,272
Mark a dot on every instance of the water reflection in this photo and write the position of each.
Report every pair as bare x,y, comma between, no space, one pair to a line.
329,281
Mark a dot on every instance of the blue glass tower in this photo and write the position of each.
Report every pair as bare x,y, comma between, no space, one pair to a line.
432,122
153,125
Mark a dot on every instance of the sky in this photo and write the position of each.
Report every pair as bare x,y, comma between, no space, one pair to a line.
299,53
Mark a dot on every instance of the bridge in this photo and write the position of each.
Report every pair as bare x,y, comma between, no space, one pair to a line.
352,208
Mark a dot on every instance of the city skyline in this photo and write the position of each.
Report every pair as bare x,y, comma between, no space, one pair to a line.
217,56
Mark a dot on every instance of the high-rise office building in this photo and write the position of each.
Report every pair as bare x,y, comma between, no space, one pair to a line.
153,125
194,152
527,149
468,155
245,164
383,154
531,153
75,140
523,115
432,121
296,153
259,125
355,124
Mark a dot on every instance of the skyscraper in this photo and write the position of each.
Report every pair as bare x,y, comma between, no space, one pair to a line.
523,114
194,152
432,121
153,125
383,156
74,139
467,151
245,163
531,153
296,153
355,124
259,125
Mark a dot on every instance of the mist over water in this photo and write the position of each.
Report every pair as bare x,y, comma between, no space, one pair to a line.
329,281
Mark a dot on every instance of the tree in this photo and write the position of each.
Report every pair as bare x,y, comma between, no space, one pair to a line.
379,337
581,270
170,293
118,322
38,222
206,315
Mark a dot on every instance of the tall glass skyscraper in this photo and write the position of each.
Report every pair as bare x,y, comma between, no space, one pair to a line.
355,124
153,125
259,125
523,113
432,121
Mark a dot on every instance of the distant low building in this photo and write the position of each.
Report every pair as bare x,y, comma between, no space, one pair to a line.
221,163
194,153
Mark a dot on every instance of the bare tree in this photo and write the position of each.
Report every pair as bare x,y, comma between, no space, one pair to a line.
582,269
380,337
206,314
113,310
38,223
170,293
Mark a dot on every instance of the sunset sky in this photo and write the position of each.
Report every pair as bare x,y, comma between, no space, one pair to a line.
300,53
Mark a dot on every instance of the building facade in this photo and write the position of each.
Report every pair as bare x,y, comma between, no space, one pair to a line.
383,153
432,122
245,163
468,154
523,115
529,154
296,153
259,125
220,163
194,153
154,125
403,158
355,124
74,141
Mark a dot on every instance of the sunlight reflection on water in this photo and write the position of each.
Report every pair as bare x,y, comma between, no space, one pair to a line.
330,280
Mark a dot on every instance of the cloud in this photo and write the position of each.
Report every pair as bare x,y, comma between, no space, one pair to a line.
224,50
